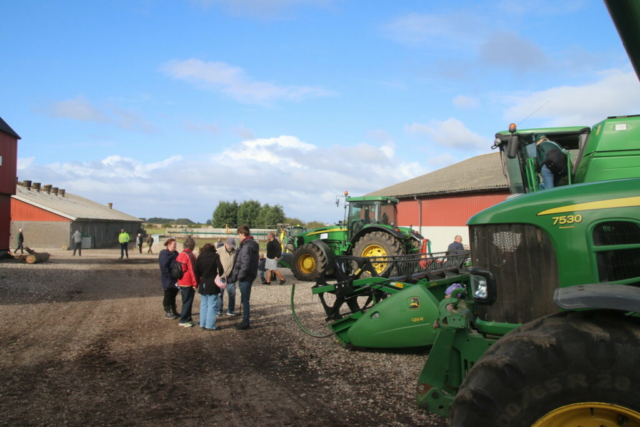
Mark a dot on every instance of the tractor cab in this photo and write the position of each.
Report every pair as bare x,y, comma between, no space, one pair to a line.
363,211
519,154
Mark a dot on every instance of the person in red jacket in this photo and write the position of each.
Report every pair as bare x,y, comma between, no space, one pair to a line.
189,281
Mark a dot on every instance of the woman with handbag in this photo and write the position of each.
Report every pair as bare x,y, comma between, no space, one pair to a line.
208,269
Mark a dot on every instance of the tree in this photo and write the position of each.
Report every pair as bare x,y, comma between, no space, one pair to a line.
293,221
314,224
248,213
209,222
225,214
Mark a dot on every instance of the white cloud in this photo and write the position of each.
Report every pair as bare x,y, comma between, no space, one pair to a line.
434,29
244,132
300,176
466,102
201,127
616,93
25,162
262,8
78,108
233,81
505,48
82,109
449,133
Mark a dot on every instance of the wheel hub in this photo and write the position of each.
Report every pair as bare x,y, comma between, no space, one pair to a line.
376,251
590,414
306,264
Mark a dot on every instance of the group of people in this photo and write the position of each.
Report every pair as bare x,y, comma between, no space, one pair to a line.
213,271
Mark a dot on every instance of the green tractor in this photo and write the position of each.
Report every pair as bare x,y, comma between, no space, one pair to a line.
369,230
544,330
287,235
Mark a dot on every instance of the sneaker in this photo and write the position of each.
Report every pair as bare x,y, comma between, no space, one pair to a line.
215,328
230,313
283,281
243,326
186,324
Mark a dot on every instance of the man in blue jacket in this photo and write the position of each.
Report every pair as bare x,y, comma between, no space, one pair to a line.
245,271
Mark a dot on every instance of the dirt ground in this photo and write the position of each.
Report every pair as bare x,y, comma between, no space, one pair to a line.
83,341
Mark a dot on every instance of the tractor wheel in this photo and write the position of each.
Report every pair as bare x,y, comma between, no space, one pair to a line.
567,369
378,244
308,263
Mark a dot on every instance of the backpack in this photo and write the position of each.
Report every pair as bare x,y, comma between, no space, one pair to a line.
556,161
176,270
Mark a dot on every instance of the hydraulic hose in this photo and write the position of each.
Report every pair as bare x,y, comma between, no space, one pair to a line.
295,317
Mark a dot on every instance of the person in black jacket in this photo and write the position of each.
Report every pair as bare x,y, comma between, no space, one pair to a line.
208,266
167,257
20,242
245,271
274,250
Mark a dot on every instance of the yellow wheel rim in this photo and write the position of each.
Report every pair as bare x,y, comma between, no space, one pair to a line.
375,251
590,414
306,264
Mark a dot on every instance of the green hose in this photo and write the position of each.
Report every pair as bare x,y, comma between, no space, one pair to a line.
295,317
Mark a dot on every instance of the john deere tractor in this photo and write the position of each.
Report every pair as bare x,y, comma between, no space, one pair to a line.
544,330
370,229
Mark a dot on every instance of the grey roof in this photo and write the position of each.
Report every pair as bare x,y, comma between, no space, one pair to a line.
4,127
478,173
71,206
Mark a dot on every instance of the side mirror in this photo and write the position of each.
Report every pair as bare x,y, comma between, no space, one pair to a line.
512,146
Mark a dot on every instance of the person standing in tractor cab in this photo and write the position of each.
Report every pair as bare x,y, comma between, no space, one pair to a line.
273,254
245,271
551,161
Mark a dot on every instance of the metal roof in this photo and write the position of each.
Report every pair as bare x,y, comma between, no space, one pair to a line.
4,127
71,206
478,173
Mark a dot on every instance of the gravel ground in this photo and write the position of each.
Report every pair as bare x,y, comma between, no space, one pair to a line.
84,342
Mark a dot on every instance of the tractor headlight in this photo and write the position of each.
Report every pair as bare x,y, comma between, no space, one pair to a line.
483,286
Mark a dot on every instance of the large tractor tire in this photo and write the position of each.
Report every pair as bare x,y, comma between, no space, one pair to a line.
567,369
309,262
378,244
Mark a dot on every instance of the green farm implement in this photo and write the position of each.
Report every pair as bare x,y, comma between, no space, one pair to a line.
388,312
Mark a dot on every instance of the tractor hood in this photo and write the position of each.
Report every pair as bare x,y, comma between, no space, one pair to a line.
543,207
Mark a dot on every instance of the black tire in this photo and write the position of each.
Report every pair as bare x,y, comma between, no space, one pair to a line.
309,263
562,359
388,245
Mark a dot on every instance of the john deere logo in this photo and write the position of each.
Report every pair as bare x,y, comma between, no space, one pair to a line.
414,303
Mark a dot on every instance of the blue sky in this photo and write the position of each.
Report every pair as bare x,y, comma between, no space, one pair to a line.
167,107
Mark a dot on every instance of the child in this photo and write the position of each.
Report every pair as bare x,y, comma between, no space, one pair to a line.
261,268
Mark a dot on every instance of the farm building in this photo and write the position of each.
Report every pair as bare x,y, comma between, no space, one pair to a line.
439,203
8,168
49,216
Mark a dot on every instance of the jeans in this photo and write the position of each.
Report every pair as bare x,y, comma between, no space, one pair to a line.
124,249
21,247
231,305
188,294
245,295
77,246
208,306
547,177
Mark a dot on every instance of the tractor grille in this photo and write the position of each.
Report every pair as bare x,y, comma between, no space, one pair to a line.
523,261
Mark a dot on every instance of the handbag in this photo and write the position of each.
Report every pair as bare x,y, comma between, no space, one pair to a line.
220,282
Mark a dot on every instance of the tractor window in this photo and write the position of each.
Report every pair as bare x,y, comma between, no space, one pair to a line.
617,246
389,214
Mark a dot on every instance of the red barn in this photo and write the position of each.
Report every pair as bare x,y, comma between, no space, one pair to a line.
8,169
439,203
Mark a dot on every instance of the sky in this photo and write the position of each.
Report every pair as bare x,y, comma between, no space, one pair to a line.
167,107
